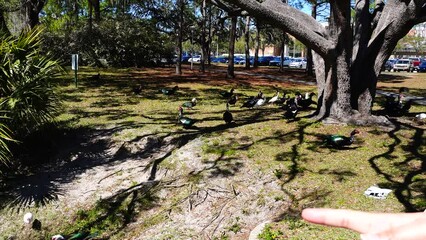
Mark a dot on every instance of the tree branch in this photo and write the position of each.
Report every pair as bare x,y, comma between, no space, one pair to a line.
300,25
362,27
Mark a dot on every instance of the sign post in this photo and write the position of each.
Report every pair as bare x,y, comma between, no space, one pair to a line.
74,66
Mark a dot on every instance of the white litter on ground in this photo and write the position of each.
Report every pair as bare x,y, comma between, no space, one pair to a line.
376,192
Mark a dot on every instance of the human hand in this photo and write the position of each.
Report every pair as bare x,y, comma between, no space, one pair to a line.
372,226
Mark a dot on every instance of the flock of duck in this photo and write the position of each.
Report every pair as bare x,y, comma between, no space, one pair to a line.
291,106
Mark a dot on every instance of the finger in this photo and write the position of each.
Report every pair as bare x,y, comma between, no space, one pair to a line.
358,221
415,230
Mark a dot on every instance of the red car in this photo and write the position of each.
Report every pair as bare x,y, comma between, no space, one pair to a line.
416,62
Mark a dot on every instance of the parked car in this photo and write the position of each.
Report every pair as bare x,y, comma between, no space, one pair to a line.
287,62
243,61
298,63
238,60
422,67
195,59
388,66
276,61
416,62
262,61
220,59
403,65
185,58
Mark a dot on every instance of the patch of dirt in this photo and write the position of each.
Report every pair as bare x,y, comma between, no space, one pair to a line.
212,197
199,196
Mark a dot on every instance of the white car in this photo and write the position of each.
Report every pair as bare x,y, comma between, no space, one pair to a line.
195,59
403,65
287,62
298,63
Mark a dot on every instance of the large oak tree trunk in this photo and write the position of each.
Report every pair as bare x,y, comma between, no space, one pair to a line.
3,27
349,52
24,18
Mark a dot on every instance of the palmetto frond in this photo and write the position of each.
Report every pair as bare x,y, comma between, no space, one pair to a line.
27,94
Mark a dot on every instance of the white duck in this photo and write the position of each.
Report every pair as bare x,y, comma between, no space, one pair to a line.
260,102
274,98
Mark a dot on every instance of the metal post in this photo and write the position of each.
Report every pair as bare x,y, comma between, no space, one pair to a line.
74,66
217,47
76,77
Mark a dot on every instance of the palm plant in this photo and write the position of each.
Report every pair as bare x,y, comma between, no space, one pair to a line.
27,97
4,139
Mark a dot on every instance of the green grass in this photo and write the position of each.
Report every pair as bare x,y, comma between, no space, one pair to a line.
291,154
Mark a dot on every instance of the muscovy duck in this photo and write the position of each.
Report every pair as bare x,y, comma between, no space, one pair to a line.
291,109
275,98
397,107
168,91
227,115
283,100
227,94
191,104
339,141
185,121
137,89
297,98
233,99
251,101
260,102
307,101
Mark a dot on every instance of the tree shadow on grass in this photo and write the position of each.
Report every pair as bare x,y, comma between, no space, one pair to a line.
114,213
409,185
391,78
124,205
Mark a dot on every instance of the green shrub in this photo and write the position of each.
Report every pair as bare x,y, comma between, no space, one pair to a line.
27,96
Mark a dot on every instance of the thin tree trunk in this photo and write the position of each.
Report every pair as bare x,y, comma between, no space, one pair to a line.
247,42
282,51
97,8
180,38
309,64
209,45
76,9
204,43
230,73
256,45
90,5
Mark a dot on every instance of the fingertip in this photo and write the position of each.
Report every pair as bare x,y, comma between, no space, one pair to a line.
314,215
307,212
